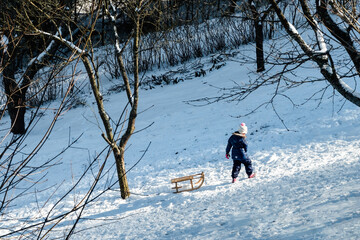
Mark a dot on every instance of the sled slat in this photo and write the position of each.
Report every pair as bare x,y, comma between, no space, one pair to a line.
190,178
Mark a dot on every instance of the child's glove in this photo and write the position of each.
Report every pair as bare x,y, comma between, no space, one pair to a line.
227,156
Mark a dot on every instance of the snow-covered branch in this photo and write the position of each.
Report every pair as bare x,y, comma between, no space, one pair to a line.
62,40
322,57
291,30
112,15
41,56
321,40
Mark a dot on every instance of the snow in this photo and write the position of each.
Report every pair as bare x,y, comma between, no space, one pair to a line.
293,29
307,184
349,89
3,43
321,40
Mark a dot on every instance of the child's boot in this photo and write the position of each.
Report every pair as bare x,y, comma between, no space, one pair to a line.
252,175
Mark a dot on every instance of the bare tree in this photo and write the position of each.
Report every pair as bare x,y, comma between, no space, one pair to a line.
18,175
22,51
259,20
335,29
347,36
14,171
137,11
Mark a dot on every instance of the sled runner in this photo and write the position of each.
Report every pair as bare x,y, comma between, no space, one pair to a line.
193,186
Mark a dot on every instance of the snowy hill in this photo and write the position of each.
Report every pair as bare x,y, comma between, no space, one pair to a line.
307,184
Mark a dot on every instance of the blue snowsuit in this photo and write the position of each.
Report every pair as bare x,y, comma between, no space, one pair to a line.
239,148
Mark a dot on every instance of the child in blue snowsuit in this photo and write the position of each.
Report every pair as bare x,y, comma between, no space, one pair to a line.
239,153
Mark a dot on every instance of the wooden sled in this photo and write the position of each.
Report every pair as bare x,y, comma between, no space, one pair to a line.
193,186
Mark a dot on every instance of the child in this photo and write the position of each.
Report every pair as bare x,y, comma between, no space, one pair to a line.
239,148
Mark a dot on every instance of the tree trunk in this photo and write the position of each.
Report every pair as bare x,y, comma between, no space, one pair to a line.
15,100
232,7
259,38
120,166
17,111
103,26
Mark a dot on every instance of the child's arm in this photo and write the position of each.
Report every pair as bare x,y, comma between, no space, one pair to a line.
228,148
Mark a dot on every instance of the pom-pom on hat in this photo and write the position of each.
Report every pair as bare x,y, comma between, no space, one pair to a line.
243,128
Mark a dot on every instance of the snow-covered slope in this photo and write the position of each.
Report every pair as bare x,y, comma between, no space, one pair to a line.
307,184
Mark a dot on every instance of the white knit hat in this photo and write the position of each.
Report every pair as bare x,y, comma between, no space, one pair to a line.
243,128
